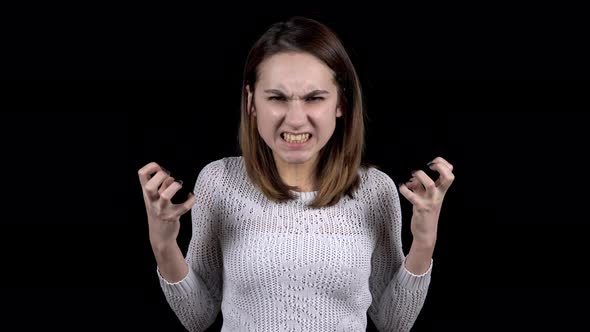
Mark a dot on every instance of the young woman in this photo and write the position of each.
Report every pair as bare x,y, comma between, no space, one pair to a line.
297,234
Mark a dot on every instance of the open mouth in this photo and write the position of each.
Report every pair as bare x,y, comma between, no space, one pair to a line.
296,139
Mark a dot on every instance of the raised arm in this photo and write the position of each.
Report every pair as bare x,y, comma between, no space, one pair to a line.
398,294
192,285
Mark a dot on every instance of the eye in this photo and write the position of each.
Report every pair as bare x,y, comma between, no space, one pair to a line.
315,98
278,98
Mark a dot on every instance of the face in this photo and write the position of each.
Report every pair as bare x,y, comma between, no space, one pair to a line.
295,105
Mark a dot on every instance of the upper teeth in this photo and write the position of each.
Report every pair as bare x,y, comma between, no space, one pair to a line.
296,138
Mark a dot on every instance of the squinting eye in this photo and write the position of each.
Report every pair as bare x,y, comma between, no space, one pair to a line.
316,98
279,98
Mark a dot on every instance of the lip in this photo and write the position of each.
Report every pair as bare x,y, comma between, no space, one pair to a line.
303,132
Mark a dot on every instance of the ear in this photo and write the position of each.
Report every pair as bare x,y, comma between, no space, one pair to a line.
251,109
338,112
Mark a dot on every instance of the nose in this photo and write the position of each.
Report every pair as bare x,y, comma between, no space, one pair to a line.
296,115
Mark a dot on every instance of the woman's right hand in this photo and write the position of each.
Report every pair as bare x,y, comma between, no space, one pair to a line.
163,215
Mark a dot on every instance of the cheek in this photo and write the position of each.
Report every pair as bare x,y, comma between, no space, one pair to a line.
269,115
266,124
326,123
328,129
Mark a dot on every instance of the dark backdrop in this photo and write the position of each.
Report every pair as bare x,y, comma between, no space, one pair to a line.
75,250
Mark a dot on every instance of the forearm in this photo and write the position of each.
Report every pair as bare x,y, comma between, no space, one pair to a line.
419,258
401,301
171,262
195,304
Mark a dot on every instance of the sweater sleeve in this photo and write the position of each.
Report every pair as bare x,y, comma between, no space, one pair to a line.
398,295
196,299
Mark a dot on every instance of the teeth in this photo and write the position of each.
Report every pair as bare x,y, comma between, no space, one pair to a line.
296,138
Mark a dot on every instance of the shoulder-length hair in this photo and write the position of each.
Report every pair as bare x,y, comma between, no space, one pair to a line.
340,159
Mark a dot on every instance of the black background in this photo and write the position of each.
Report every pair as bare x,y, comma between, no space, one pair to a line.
164,85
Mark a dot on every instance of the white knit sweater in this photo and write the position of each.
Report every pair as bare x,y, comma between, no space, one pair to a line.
286,267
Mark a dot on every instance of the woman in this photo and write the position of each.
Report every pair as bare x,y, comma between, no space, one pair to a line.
297,233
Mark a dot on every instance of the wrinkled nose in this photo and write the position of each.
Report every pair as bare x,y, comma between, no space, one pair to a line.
296,116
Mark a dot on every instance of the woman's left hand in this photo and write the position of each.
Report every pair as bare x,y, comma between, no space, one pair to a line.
426,197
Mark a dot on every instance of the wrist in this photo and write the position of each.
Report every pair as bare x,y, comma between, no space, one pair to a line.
419,258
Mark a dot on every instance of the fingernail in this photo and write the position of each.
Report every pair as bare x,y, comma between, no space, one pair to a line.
179,182
165,170
430,163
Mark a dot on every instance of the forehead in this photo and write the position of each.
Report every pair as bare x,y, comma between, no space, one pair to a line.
295,71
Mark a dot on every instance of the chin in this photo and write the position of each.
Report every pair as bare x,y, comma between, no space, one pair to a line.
293,158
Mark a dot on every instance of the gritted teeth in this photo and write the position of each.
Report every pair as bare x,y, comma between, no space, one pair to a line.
299,138
283,134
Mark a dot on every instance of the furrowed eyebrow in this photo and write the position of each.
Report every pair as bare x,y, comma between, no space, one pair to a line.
310,94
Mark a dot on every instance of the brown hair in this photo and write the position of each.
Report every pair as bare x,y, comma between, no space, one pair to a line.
339,160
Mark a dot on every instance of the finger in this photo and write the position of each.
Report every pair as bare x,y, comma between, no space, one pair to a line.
408,194
415,186
446,176
425,180
146,171
442,160
151,187
169,192
165,184
186,205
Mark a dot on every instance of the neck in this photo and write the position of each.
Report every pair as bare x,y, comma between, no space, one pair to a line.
298,175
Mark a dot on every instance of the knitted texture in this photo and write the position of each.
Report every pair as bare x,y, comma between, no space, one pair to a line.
287,267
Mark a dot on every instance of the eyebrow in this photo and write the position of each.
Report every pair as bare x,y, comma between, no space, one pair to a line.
309,94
